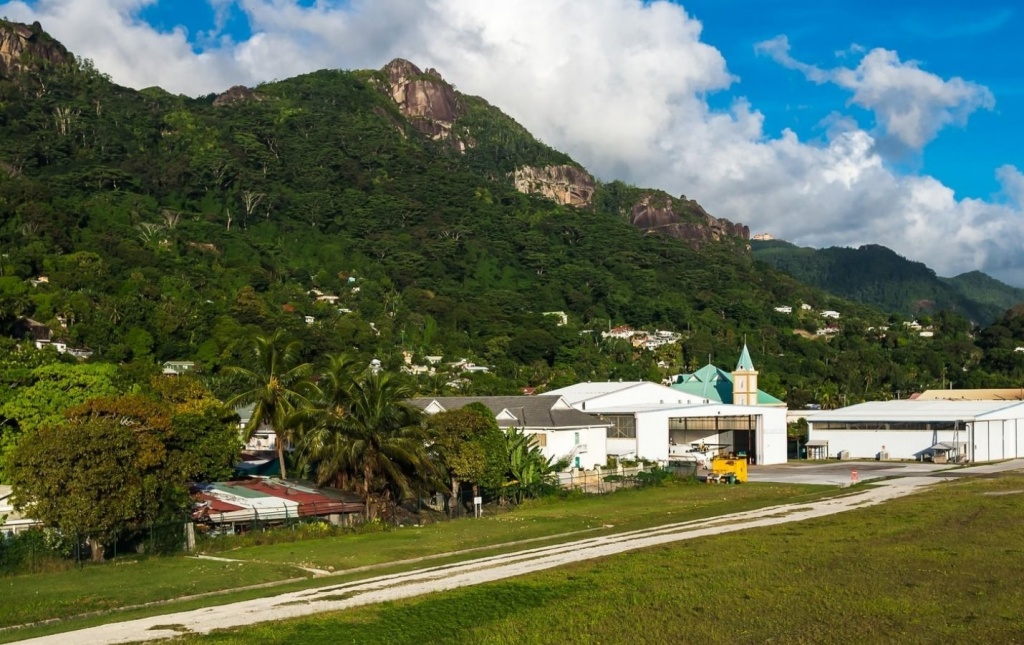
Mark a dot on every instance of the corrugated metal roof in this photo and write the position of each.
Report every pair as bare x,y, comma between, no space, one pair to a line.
981,394
544,411
573,394
270,500
916,410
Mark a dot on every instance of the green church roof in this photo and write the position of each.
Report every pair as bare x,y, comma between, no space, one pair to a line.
745,363
715,384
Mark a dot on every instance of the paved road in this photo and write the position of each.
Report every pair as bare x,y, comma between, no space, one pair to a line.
440,578
839,473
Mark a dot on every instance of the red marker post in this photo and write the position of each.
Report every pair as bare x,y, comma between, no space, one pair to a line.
853,477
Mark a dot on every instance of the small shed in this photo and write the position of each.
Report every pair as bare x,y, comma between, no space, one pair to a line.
946,452
817,449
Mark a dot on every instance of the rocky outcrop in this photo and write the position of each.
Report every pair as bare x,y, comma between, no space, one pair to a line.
24,47
427,100
237,94
567,185
684,219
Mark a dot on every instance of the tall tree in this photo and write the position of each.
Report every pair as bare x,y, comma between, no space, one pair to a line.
276,384
468,443
116,464
374,437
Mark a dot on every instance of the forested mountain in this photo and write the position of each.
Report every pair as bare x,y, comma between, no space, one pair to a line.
383,212
877,276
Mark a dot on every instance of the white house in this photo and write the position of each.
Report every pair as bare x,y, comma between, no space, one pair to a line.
976,430
828,313
563,318
560,431
784,309
12,522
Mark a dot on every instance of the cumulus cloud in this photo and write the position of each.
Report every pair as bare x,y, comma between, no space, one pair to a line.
622,86
910,104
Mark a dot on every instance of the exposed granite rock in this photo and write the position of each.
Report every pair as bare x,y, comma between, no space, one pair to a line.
686,220
24,47
236,94
563,184
427,100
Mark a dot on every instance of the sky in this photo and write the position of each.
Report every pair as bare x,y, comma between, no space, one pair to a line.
822,122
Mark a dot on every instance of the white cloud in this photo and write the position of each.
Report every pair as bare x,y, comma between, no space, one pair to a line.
621,85
910,104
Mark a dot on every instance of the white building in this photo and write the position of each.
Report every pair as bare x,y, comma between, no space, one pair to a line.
11,522
652,421
915,429
828,313
784,309
560,431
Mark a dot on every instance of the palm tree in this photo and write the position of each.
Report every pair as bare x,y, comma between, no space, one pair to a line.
276,384
371,435
529,471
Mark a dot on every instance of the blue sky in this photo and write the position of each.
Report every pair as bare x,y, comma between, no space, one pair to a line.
975,42
821,122
979,41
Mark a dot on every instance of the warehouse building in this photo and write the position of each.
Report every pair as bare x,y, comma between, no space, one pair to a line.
933,430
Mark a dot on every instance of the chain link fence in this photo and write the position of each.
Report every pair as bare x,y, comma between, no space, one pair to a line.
37,549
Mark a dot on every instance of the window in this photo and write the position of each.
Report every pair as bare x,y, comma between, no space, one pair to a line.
882,425
623,426
713,424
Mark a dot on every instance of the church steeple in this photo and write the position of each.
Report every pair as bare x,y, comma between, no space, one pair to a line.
744,380
745,364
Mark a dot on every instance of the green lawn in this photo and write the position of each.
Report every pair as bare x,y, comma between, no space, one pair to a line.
30,598
944,565
624,510
42,596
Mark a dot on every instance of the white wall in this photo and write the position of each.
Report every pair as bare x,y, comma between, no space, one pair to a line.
652,435
866,444
622,447
771,432
561,443
992,440
997,439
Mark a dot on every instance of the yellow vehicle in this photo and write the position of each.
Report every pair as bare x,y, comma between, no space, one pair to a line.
724,467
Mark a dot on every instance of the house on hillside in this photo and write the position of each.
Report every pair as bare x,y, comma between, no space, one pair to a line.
559,430
177,368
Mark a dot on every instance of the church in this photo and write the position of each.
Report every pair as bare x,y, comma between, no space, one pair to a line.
738,387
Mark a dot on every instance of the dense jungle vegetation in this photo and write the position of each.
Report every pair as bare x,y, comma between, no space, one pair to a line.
171,228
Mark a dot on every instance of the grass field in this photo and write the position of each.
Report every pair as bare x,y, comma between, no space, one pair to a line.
37,597
945,565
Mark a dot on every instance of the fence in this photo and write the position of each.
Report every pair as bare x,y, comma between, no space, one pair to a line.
607,480
37,549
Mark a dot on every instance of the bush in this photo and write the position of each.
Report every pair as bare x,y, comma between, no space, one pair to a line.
33,550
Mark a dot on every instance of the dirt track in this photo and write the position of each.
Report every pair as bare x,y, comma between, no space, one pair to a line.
439,578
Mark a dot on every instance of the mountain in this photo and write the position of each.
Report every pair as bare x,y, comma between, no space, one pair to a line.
877,276
382,213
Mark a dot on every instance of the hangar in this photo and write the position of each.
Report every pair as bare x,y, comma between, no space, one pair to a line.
652,421
959,430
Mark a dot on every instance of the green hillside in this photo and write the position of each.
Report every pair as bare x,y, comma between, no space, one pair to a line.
149,227
877,276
